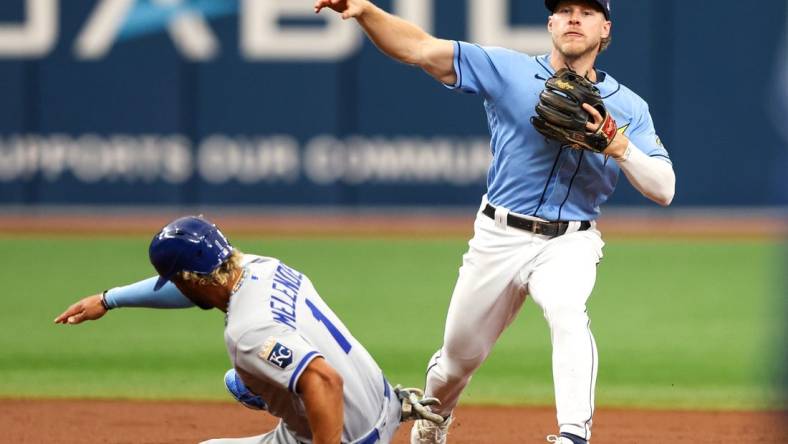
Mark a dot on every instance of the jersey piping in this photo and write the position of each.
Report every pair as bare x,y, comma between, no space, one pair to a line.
571,181
300,369
547,183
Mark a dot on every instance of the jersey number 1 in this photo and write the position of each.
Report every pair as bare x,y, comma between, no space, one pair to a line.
337,335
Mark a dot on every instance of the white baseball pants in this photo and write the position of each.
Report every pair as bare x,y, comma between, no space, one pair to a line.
502,266
279,435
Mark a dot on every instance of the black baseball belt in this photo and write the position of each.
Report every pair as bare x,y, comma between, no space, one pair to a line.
551,229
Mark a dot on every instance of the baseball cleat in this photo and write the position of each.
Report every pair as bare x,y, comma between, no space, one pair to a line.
566,438
241,392
427,432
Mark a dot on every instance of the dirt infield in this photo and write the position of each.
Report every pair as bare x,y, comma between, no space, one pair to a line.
689,225
137,422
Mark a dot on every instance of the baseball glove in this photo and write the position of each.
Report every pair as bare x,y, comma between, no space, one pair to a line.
561,117
416,406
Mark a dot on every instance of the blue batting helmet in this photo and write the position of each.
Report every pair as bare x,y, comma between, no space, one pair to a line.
190,243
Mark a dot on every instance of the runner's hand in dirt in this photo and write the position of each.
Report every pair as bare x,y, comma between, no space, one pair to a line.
86,309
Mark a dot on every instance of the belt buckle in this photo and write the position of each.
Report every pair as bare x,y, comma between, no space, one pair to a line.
536,228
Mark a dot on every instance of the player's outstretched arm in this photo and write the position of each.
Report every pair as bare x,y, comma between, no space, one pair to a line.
138,294
399,39
321,389
86,309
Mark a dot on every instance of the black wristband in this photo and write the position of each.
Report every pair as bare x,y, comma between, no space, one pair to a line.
104,302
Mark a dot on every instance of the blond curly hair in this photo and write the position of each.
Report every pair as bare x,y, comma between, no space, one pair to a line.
605,42
218,277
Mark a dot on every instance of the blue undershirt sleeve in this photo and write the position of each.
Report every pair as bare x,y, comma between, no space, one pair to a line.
141,294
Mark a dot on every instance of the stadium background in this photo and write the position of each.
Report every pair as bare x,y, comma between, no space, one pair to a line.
114,105
305,143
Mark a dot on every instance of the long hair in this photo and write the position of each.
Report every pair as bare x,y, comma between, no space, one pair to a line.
218,277
605,42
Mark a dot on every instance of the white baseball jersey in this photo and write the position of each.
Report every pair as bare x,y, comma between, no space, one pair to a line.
276,325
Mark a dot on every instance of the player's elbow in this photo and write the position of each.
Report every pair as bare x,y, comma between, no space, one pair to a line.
666,189
436,58
668,199
665,201
330,380
330,376
664,197
412,54
333,380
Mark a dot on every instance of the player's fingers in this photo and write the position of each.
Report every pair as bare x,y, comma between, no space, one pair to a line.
593,112
596,118
77,318
427,414
70,311
320,4
429,401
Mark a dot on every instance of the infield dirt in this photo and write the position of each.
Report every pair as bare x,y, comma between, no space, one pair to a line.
672,225
143,422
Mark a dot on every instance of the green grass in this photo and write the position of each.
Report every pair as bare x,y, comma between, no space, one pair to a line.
678,324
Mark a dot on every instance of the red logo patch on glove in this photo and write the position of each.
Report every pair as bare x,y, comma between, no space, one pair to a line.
608,128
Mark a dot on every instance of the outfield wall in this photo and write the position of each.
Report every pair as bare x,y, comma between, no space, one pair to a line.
261,103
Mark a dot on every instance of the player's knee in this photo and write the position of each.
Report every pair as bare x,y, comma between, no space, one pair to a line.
566,319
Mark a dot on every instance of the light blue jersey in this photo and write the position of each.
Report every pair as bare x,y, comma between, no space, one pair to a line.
530,174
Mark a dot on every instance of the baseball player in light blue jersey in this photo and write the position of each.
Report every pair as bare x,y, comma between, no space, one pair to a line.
535,233
291,354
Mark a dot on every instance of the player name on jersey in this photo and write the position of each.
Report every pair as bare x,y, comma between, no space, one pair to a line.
285,287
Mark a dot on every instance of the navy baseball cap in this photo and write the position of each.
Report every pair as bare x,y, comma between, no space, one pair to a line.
604,4
189,243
